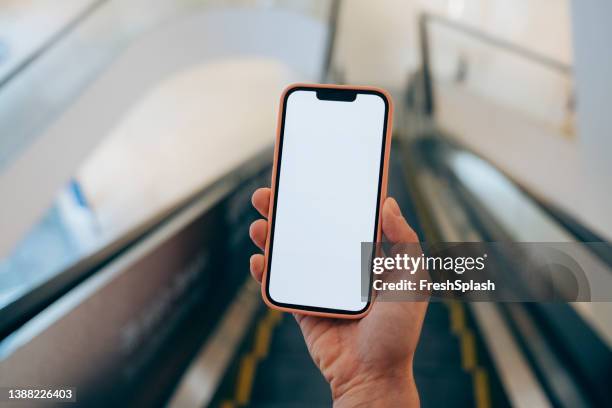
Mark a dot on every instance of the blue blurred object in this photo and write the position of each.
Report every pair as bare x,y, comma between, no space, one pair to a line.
78,194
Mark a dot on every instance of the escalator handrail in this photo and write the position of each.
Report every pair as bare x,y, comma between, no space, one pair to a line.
569,223
22,309
577,230
557,325
574,227
425,20
51,42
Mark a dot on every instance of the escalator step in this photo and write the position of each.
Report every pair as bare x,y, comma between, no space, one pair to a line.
443,350
289,379
438,372
288,374
443,389
427,368
289,405
434,346
438,346
288,338
437,316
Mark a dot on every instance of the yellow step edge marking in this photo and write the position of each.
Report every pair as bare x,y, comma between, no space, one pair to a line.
481,388
248,364
263,336
457,317
262,339
468,350
245,379
469,360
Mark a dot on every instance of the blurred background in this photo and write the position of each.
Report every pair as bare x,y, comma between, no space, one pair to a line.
133,132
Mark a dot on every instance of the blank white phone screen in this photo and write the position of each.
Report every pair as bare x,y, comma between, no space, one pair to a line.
327,199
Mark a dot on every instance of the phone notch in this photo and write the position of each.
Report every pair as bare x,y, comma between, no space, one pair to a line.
342,95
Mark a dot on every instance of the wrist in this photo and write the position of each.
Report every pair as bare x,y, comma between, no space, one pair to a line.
383,390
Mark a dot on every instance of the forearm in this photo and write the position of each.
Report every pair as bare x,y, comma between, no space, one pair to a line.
392,391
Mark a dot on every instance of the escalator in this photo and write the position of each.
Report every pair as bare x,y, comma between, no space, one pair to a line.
285,376
167,314
453,360
147,311
135,328
280,372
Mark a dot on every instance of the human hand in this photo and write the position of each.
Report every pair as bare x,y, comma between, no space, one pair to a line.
367,362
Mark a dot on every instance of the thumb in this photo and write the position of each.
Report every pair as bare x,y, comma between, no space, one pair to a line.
394,225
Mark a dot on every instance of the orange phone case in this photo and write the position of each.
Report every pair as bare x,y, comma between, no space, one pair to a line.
383,194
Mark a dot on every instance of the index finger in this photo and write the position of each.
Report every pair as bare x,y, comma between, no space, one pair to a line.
261,200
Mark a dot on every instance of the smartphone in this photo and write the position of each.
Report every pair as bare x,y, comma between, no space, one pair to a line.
329,180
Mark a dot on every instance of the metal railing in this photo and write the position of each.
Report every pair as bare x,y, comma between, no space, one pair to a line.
425,21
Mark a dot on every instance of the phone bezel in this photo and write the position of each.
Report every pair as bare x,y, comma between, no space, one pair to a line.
336,92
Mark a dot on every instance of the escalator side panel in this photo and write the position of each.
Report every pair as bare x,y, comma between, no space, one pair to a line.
134,326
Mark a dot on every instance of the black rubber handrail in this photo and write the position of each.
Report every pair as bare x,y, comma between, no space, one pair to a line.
569,223
18,312
566,334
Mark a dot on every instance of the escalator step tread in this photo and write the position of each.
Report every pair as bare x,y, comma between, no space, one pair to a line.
438,347
431,334
288,374
440,389
431,350
289,379
437,316
272,404
425,368
288,338
290,361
